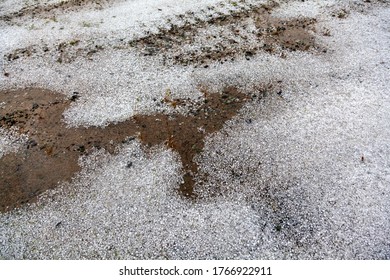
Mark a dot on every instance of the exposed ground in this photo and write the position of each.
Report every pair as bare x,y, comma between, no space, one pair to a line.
216,129
51,154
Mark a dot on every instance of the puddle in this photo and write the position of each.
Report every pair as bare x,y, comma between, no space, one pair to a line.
51,154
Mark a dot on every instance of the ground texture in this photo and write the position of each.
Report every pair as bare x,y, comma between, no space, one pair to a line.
208,130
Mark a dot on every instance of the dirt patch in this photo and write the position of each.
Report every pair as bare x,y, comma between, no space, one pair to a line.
51,154
192,40
225,37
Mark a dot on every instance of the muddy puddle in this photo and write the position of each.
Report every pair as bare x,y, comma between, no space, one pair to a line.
51,154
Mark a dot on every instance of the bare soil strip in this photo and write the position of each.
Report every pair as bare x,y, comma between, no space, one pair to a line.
228,37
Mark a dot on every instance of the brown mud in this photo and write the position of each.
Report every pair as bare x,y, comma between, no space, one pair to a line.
51,154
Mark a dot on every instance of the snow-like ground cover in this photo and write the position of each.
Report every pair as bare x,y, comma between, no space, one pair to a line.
304,174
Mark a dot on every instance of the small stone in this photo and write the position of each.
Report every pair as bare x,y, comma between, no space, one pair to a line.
75,96
128,140
31,143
